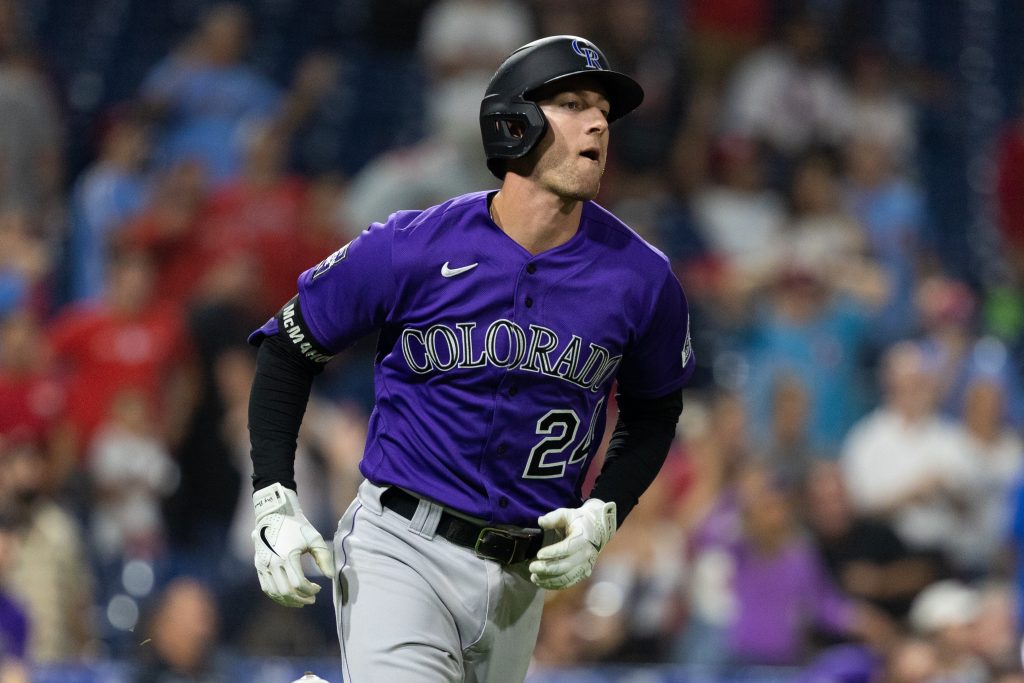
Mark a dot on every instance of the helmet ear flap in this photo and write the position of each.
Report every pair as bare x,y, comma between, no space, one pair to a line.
510,130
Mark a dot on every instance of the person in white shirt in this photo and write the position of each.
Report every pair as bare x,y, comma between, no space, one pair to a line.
905,463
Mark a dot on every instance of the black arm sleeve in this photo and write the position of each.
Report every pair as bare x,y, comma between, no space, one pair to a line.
637,450
280,391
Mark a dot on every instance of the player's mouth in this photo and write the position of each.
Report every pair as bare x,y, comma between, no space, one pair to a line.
592,153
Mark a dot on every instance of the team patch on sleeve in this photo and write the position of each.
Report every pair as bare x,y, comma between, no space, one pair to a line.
687,345
293,325
329,262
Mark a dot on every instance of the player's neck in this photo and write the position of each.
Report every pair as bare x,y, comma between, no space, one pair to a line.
537,221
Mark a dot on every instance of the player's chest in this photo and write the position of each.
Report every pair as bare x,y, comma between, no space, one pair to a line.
548,317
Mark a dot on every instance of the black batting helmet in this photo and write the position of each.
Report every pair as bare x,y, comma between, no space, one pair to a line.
508,98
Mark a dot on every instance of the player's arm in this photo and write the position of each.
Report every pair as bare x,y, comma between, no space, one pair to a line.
277,402
639,445
280,391
640,442
340,300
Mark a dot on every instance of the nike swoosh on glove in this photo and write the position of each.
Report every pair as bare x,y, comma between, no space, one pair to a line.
282,536
585,530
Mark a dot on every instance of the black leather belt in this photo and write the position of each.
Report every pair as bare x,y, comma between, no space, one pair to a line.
500,544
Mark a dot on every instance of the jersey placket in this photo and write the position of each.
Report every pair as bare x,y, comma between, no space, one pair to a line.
504,452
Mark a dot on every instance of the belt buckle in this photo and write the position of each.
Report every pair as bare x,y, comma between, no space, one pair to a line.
507,534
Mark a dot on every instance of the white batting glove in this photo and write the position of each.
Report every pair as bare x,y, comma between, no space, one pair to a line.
585,532
282,535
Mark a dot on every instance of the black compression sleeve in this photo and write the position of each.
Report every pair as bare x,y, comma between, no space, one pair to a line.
280,391
637,450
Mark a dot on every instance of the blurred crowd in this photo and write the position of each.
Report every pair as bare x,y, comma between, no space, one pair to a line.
838,183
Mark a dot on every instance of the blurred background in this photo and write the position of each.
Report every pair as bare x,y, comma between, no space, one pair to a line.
838,183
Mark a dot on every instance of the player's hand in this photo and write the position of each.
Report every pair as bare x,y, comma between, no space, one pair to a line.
282,535
585,531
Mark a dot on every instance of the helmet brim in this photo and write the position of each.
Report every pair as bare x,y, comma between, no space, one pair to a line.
624,94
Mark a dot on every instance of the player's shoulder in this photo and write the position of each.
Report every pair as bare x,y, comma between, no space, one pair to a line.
412,223
609,233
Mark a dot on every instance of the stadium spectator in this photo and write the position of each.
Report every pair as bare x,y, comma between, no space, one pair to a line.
31,397
811,324
32,130
182,637
947,612
1009,192
166,230
788,96
206,94
129,340
994,638
891,211
718,447
820,229
560,642
1014,546
738,216
904,462
106,195
778,587
686,171
461,43
256,215
708,511
996,454
912,659
14,626
25,264
786,449
463,37
949,334
51,575
130,471
878,107
863,554
377,102
722,34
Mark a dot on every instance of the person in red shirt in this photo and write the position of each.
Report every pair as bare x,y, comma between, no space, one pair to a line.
1009,191
31,399
127,340
256,218
167,229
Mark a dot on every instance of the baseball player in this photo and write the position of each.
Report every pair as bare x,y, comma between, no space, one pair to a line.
504,319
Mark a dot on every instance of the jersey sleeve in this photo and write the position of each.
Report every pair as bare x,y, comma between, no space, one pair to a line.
662,359
347,295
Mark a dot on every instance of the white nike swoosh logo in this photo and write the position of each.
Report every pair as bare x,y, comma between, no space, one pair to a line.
452,272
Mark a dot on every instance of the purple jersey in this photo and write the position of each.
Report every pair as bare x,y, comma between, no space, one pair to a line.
494,366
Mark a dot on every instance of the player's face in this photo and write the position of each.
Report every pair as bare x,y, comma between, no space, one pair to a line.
573,152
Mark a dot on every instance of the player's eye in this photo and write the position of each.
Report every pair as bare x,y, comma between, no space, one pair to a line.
572,104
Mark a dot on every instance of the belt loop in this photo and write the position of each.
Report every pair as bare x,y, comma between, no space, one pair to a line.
426,518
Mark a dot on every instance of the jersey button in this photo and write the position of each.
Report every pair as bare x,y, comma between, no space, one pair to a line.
503,502
512,391
502,449
531,268
529,302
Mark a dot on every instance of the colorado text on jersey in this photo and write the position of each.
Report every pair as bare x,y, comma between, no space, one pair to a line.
441,348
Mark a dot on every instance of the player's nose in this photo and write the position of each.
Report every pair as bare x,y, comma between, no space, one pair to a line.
596,123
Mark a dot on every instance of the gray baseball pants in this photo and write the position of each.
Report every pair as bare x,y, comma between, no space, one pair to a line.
414,608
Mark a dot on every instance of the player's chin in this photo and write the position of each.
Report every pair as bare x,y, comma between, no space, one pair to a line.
583,189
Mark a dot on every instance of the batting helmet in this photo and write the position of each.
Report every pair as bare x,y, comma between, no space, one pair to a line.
540,63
